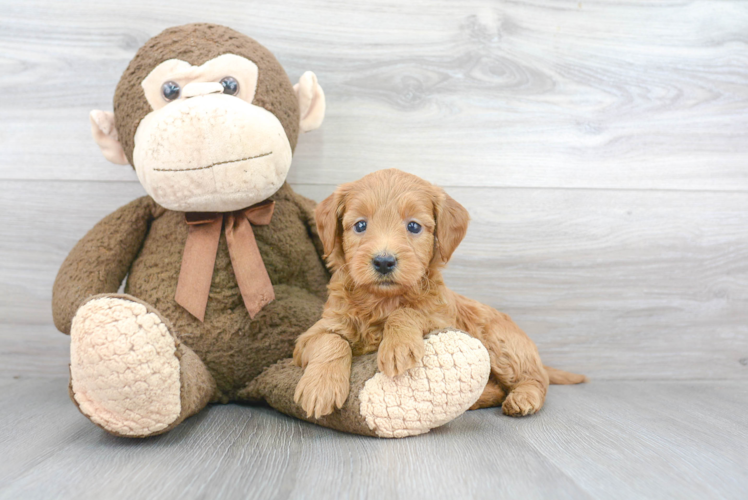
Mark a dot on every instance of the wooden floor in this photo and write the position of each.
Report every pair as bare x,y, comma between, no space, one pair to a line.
655,440
602,150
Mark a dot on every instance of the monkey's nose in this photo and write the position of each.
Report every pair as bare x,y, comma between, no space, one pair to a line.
195,89
384,263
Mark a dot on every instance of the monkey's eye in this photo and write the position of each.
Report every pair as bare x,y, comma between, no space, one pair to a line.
230,85
359,227
414,227
170,90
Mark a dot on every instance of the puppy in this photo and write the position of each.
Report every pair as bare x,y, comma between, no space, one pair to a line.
386,238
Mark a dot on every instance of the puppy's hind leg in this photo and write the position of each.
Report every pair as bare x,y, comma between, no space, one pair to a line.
493,395
516,365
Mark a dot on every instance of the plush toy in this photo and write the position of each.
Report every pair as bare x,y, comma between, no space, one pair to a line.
222,258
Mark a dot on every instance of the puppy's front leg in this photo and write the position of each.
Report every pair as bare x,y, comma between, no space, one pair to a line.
402,342
326,360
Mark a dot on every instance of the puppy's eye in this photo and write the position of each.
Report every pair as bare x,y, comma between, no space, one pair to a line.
360,226
414,227
170,90
230,85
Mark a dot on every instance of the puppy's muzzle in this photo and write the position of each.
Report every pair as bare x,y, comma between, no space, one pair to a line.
384,263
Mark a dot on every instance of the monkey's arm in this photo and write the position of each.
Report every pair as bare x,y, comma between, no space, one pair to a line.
316,274
101,259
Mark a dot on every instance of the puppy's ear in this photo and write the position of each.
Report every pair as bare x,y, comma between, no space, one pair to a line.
451,225
327,215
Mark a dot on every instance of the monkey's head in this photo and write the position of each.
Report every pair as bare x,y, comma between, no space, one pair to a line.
208,118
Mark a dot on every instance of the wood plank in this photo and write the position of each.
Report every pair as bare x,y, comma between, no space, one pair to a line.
33,350
614,284
43,221
603,440
36,422
625,284
9,381
631,94
612,429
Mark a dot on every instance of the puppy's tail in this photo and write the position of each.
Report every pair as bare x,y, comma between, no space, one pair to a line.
560,377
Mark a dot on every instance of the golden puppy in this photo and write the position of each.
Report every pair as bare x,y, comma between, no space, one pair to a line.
386,238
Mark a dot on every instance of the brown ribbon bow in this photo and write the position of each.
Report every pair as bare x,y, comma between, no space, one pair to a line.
199,258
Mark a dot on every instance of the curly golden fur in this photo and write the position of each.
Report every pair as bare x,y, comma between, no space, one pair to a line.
368,310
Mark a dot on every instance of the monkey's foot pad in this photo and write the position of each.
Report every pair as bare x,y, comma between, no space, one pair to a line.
449,379
124,370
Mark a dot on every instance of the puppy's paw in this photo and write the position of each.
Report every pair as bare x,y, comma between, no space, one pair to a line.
320,391
523,400
398,356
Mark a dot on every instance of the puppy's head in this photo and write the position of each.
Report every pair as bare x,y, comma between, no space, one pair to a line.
388,228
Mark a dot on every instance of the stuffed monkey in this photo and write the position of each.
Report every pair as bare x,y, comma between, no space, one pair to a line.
222,259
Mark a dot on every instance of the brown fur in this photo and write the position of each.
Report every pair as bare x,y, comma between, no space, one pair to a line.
144,242
392,313
229,356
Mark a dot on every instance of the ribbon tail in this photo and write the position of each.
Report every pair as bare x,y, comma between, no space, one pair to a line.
249,269
196,272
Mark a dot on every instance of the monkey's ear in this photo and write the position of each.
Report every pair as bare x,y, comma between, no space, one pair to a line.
105,135
311,102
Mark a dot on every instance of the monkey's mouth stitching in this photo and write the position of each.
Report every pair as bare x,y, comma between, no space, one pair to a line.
210,166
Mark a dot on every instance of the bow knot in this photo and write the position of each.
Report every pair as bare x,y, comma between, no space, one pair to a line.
200,251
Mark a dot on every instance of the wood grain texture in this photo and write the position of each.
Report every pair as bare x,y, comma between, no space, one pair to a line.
600,148
685,440
602,151
614,284
630,94
33,351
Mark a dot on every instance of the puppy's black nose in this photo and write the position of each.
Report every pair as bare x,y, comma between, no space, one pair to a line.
384,264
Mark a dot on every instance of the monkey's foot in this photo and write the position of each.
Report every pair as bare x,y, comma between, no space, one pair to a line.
125,368
450,378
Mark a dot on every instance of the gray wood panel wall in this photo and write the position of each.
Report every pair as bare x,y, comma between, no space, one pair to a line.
601,148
